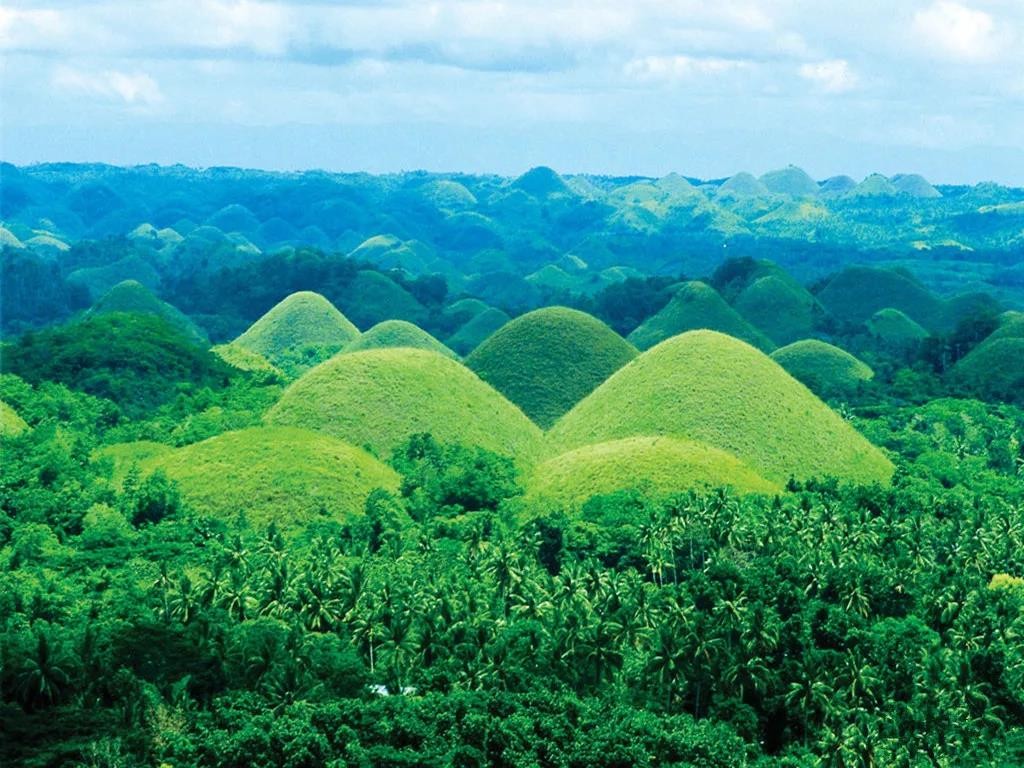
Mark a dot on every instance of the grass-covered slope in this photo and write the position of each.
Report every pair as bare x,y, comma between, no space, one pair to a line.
660,465
857,293
697,305
133,297
828,371
11,424
780,309
372,298
245,359
299,332
993,369
274,474
476,329
894,328
126,456
397,333
712,388
548,360
378,398
790,181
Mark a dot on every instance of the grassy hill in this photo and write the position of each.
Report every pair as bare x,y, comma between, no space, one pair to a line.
697,305
660,465
541,182
274,474
894,328
125,456
299,332
826,370
780,309
790,181
380,397
397,333
246,360
476,329
712,388
742,185
11,424
875,185
372,298
548,360
993,369
98,280
914,185
1011,326
857,293
133,297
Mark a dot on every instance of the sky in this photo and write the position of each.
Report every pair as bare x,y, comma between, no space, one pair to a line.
622,87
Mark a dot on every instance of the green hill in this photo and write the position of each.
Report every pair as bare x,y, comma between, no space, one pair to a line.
133,297
99,280
125,456
712,388
826,370
448,195
378,398
894,328
541,182
548,360
661,465
781,309
372,298
993,369
397,333
742,185
298,332
875,185
246,360
790,181
697,305
274,474
478,328
11,424
836,186
914,185
1011,326
857,293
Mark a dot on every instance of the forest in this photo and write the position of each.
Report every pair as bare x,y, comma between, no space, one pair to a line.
414,470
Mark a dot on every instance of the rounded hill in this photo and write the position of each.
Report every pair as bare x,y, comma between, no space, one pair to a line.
790,181
246,360
298,332
697,305
892,327
826,370
274,474
993,369
743,185
548,360
541,182
661,465
779,308
397,333
856,293
378,398
476,329
372,298
133,297
712,388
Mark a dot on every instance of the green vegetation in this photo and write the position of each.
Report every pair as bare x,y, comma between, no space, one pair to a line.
781,310
397,333
655,465
994,369
893,327
246,360
476,329
283,475
133,297
372,298
857,293
299,332
791,181
829,372
548,360
714,389
379,398
11,424
694,306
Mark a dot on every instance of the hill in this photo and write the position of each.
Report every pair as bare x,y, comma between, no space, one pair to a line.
1011,326
476,329
11,424
378,398
246,360
661,465
914,185
541,182
826,370
372,298
790,181
712,388
298,332
781,309
837,186
274,474
133,297
894,328
99,280
548,360
857,293
993,369
875,185
696,305
742,185
397,333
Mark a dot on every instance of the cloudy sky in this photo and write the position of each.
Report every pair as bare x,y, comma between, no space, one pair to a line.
623,86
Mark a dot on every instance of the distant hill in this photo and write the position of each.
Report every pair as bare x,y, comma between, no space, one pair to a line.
743,185
133,297
826,370
993,369
791,181
894,328
542,182
914,185
711,388
475,330
781,309
548,360
397,333
857,293
372,298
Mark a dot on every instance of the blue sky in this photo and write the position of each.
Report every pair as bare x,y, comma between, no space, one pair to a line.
630,86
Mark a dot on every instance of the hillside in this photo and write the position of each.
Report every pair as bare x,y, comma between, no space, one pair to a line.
826,370
791,181
857,293
379,398
274,474
476,329
548,360
657,465
11,424
397,333
133,297
372,298
993,369
783,311
712,388
246,360
894,328
696,305
299,332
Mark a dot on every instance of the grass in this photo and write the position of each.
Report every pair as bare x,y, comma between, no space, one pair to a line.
124,456
782,311
548,360
915,185
660,465
894,328
790,181
448,195
299,332
828,371
712,388
397,333
743,185
857,293
99,280
133,297
1011,326
875,185
246,360
697,305
476,329
993,369
541,182
11,424
274,474
378,398
372,298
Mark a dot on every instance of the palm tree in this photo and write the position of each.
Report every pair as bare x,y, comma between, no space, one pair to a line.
43,678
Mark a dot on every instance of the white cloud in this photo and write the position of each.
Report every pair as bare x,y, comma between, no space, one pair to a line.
24,28
956,31
679,67
135,89
833,76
